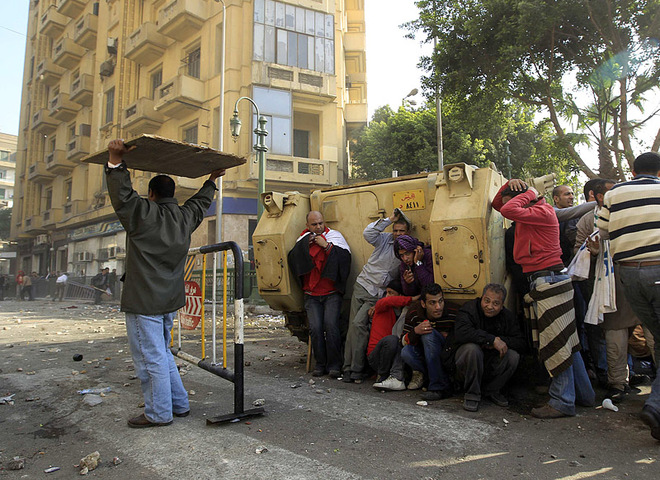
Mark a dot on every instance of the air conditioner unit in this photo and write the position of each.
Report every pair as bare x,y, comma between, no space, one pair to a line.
104,254
120,252
107,68
41,239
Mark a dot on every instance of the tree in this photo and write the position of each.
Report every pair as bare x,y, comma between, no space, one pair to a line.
474,132
529,50
5,223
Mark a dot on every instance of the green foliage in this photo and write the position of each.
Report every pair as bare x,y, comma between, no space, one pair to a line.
526,50
5,223
474,132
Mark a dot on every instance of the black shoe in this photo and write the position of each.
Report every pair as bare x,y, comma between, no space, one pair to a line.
143,422
639,379
436,395
346,378
470,405
318,372
618,395
498,399
182,414
334,374
651,417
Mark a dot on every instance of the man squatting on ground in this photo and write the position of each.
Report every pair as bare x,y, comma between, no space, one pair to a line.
487,342
321,261
630,218
369,287
428,322
384,348
157,241
537,251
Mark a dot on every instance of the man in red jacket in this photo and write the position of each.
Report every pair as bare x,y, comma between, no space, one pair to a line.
537,250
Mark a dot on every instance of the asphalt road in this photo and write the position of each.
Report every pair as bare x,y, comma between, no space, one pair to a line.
326,429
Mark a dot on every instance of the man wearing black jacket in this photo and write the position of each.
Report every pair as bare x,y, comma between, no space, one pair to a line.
488,340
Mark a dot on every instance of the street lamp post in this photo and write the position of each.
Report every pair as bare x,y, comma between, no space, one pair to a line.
221,125
260,147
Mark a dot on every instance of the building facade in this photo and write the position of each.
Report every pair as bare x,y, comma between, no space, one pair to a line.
7,169
98,70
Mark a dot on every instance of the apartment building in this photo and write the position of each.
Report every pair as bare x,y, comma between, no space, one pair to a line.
7,169
98,70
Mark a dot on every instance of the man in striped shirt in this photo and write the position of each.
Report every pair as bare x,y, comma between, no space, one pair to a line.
631,218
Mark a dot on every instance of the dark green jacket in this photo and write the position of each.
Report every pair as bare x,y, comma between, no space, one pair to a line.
157,242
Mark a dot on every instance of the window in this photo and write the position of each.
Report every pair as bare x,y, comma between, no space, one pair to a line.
275,105
301,143
3,174
4,156
190,134
193,61
294,36
48,201
68,189
109,105
2,193
156,81
72,131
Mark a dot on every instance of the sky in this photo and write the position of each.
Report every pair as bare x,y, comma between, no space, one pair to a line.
391,59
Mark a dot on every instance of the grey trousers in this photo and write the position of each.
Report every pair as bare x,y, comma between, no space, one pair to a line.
357,337
476,366
385,358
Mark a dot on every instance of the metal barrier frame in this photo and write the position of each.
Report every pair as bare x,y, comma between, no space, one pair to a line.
237,377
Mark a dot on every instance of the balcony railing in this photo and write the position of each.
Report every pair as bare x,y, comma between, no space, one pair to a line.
38,173
142,117
77,148
53,23
181,19
71,8
61,108
180,95
66,53
42,122
57,163
145,45
82,90
85,31
49,73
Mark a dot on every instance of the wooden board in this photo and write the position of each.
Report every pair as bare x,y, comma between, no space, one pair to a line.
162,155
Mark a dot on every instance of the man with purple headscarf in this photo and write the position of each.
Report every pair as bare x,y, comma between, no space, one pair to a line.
416,269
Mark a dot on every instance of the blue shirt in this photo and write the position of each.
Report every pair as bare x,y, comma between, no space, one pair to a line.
376,273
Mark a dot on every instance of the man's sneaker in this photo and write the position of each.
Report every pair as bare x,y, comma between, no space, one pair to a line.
639,379
470,405
651,417
546,411
390,383
334,374
498,399
618,394
318,372
436,395
416,381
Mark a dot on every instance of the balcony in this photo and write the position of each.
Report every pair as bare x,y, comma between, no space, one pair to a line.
42,122
77,148
49,73
61,108
355,41
180,19
142,118
50,217
356,112
71,8
52,23
66,53
282,168
145,45
82,90
180,95
33,224
38,173
57,163
85,31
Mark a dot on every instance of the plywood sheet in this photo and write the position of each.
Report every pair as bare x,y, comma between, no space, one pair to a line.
162,155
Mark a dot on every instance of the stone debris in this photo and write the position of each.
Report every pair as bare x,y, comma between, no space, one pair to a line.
16,463
89,463
116,460
51,469
8,400
260,450
423,403
32,399
259,402
92,399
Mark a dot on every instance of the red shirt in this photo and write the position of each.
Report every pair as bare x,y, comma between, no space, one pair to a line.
313,283
536,246
385,318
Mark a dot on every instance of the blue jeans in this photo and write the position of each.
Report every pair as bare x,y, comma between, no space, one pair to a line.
149,339
323,317
644,296
571,386
425,357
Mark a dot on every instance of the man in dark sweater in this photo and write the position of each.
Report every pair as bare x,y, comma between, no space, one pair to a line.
428,323
488,341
